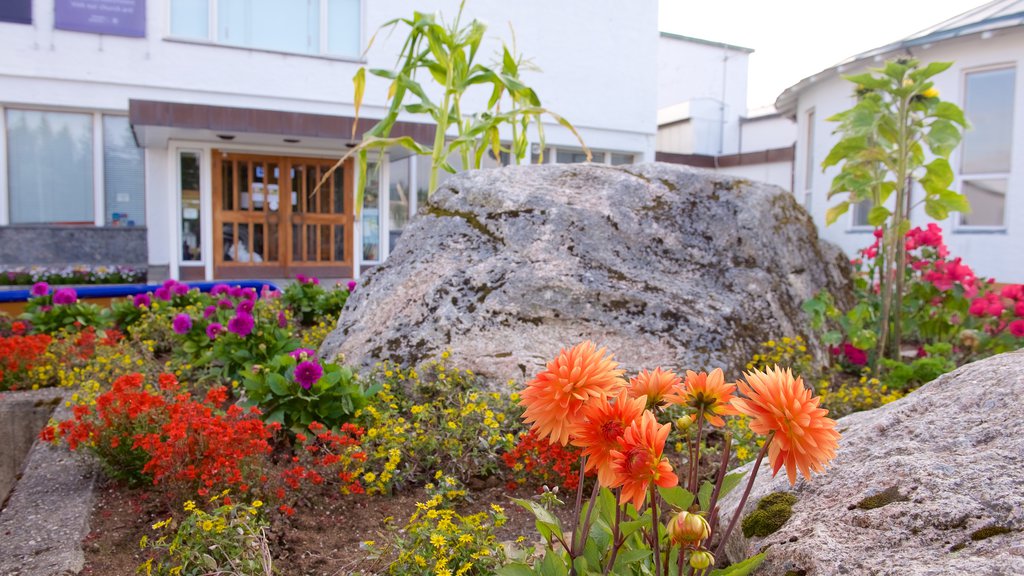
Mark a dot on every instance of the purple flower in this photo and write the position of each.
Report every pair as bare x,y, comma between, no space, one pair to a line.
282,320
40,289
241,324
225,303
169,283
163,293
214,329
303,353
249,293
180,289
209,311
141,300
182,323
351,285
65,296
308,373
300,278
312,280
244,306
219,289
235,292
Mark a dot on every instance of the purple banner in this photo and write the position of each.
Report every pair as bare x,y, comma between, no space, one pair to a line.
117,17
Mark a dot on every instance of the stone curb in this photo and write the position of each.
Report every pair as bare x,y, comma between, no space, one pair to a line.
47,515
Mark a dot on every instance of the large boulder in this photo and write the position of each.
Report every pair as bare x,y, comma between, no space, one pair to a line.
663,264
930,484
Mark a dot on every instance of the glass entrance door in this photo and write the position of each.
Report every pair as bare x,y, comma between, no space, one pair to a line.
271,222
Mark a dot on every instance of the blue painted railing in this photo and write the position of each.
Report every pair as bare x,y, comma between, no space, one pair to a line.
87,292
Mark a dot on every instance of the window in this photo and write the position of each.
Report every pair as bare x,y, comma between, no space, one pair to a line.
330,27
575,156
50,167
124,180
399,201
859,212
17,11
371,216
809,152
191,207
986,150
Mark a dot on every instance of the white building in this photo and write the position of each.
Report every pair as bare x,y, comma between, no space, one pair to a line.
987,47
702,113
188,124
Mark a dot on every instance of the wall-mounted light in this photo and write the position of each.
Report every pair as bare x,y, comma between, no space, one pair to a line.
292,140
226,137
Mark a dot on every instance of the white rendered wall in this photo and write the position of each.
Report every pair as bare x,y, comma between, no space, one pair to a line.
608,94
996,253
767,134
713,78
777,173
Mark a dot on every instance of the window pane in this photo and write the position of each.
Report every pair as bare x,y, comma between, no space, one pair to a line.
809,152
422,181
124,179
398,207
620,159
17,11
988,199
575,156
190,19
270,24
49,159
343,28
860,213
191,207
371,216
988,105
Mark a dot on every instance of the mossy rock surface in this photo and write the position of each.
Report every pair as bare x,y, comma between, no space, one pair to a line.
771,514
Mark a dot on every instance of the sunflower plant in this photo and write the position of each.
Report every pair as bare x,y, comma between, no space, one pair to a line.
646,515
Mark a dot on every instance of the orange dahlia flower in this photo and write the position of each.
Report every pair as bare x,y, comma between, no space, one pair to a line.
600,430
805,439
554,398
707,391
640,460
655,385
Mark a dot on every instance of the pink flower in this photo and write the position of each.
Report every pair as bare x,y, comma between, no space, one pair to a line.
308,373
1017,328
163,293
65,296
141,300
214,329
282,320
303,353
219,289
209,311
241,324
878,233
1019,309
225,303
182,323
978,307
245,306
351,285
1013,292
180,289
40,289
855,355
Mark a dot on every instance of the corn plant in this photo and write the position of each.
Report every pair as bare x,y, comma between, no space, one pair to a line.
448,55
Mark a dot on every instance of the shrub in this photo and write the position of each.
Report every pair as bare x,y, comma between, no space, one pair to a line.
296,390
311,303
18,356
230,539
61,310
537,462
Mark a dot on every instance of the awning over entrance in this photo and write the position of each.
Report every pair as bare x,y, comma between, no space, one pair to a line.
156,122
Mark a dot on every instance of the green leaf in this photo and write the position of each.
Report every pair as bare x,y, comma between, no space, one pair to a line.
541,514
833,213
730,482
942,137
515,569
744,568
938,176
878,215
627,557
359,87
951,112
553,565
677,497
278,384
704,495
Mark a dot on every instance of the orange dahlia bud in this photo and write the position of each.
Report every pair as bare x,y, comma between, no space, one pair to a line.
701,559
688,530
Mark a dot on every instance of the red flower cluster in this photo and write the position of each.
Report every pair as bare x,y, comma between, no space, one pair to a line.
535,460
174,441
327,454
18,355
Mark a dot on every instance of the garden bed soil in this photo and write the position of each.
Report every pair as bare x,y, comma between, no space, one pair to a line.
324,539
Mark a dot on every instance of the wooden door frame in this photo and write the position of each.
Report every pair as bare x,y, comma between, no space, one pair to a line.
285,266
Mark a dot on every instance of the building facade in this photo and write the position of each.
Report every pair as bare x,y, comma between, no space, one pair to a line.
201,127
986,46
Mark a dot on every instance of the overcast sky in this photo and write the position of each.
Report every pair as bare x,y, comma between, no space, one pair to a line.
793,39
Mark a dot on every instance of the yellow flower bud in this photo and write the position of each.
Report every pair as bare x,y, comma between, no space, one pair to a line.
688,529
684,422
930,93
701,559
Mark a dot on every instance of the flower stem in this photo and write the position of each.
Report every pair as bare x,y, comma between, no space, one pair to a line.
616,535
722,466
695,463
585,530
746,493
655,539
576,514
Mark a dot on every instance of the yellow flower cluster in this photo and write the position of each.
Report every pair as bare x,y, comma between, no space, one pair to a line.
433,418
848,398
314,336
446,543
791,352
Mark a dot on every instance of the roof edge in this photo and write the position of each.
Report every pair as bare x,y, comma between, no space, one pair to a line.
725,45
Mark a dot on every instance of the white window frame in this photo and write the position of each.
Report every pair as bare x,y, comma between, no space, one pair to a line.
98,190
598,156
1008,176
211,33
